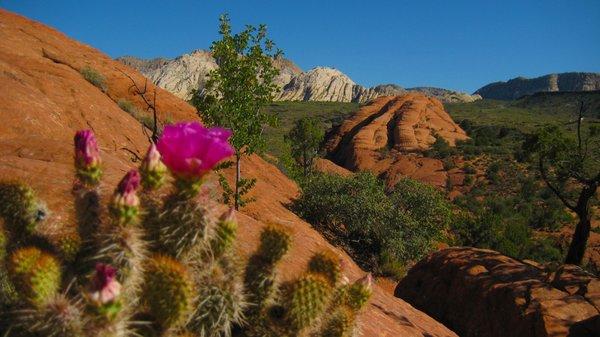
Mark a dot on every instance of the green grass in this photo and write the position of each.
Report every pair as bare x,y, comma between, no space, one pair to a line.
329,113
94,77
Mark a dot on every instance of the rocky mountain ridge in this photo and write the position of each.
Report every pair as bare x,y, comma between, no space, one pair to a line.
188,72
521,86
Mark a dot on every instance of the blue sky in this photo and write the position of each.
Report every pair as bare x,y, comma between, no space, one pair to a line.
455,44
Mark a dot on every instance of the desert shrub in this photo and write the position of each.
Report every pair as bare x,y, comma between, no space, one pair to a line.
94,77
440,149
469,169
386,232
128,107
448,164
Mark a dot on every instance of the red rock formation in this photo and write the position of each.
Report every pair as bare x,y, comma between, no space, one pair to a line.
327,166
44,100
485,294
388,135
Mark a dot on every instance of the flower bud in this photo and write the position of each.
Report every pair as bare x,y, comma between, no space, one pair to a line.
87,157
125,202
152,169
366,281
105,287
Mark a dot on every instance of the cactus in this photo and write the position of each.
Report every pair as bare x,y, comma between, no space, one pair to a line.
259,277
68,245
221,300
304,299
168,291
225,232
327,264
274,243
125,248
59,317
191,286
20,208
340,324
183,224
35,274
359,292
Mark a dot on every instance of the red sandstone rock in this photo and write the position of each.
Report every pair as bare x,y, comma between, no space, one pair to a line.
389,135
482,293
44,100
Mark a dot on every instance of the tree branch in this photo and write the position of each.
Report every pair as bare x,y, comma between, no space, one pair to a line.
150,105
551,187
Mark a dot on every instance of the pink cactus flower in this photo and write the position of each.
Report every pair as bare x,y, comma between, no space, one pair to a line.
105,287
86,150
191,150
125,195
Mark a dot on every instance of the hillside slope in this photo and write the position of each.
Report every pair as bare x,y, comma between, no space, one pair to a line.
44,99
521,86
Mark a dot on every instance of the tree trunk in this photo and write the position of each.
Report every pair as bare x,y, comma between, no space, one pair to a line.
238,177
579,240
582,231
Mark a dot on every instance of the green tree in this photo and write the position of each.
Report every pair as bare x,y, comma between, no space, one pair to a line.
304,140
237,92
570,167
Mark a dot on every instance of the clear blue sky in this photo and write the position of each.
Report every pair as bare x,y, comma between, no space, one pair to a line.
452,44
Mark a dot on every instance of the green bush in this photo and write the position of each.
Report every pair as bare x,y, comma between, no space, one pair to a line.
387,232
440,149
94,77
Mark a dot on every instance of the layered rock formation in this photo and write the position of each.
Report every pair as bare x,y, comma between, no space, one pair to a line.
388,135
44,99
521,86
481,293
188,72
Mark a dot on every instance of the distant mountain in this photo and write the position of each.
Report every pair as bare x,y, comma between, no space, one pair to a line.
521,86
189,71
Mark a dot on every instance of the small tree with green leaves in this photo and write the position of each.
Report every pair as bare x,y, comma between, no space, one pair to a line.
570,167
304,140
238,90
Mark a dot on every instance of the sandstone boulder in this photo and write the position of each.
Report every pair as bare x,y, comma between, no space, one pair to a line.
389,135
482,293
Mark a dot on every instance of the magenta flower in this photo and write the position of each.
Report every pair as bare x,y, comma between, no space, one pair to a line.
105,287
86,149
125,200
190,150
